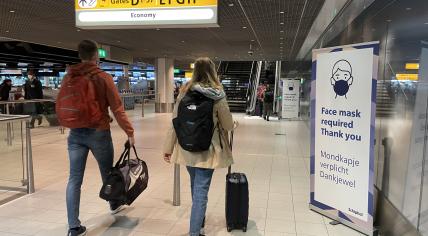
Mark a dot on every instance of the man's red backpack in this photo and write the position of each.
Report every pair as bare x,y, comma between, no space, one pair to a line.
77,105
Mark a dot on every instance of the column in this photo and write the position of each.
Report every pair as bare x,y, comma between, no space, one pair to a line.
164,85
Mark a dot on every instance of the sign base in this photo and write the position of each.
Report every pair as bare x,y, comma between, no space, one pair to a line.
344,222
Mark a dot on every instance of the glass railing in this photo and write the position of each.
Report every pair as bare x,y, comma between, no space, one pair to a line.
16,168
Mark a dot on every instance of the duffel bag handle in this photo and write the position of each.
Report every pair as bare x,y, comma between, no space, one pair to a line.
128,146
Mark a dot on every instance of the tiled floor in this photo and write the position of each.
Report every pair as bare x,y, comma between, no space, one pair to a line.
274,156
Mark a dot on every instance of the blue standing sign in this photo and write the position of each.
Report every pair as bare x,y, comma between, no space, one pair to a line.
343,112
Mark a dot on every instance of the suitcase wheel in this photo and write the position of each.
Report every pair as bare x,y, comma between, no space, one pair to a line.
244,229
229,229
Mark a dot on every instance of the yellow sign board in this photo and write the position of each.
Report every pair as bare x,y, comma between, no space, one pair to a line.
127,14
412,66
413,77
188,75
140,4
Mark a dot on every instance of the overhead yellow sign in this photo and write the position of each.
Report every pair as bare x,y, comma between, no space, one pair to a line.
130,4
412,66
124,14
413,77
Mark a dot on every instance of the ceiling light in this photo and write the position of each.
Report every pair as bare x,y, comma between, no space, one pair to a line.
244,27
231,4
282,23
157,29
12,11
59,42
78,30
388,20
7,31
426,23
252,40
282,31
409,8
281,12
182,41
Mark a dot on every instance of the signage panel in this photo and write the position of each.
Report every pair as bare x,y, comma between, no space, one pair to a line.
343,111
116,14
290,98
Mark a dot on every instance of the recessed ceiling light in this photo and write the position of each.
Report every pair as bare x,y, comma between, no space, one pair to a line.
182,41
118,41
388,20
409,8
59,42
7,31
12,11
157,29
231,4
282,23
252,40
281,12
282,31
78,30
426,23
244,27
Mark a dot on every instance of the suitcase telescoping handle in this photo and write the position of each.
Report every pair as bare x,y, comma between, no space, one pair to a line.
235,125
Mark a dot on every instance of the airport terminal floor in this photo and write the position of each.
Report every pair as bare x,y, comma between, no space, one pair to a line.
274,155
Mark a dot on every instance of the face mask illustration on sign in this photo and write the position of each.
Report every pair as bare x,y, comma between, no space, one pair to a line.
341,78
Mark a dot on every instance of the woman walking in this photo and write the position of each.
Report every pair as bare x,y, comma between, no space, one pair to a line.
202,147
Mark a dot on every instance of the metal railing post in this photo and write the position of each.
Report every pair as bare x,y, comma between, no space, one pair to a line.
176,195
29,155
142,109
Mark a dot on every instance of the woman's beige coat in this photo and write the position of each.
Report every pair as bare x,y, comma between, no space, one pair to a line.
219,155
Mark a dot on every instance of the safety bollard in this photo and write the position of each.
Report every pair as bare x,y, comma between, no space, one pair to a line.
176,198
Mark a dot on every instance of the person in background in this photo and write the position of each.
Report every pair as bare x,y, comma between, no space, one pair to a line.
268,98
201,165
260,91
19,108
96,139
34,90
5,88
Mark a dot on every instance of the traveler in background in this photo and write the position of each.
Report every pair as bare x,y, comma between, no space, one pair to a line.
96,139
19,107
5,88
201,165
268,98
34,90
260,91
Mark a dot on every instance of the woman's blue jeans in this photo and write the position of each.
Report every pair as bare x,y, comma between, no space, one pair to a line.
200,181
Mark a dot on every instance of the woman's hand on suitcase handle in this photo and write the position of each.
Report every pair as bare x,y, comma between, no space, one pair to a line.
167,158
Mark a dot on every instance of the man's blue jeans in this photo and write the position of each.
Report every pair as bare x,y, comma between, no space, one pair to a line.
80,142
200,181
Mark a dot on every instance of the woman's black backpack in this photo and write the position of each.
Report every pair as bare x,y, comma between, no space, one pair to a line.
194,124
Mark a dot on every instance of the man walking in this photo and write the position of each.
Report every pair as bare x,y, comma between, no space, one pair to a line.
268,99
34,90
96,139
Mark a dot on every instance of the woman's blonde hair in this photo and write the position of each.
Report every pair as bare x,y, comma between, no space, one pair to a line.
204,74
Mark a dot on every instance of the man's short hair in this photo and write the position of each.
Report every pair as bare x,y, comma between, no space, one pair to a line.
87,50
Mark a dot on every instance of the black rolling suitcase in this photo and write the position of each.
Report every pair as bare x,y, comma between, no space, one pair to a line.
237,199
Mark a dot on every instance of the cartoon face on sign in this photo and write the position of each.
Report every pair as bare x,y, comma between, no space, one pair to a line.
341,78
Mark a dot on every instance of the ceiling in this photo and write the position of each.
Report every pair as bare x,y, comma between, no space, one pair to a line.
267,25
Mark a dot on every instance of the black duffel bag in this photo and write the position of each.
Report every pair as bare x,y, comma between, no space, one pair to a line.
127,179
